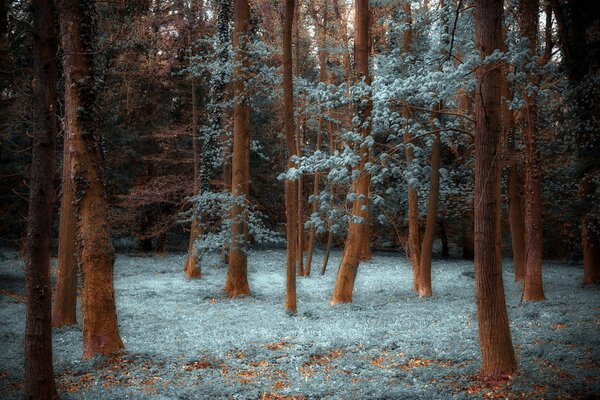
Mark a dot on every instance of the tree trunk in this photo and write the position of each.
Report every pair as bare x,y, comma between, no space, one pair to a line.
291,187
515,210
494,332
344,285
444,239
64,308
430,220
38,370
327,252
533,288
237,275
191,268
321,127
100,330
414,240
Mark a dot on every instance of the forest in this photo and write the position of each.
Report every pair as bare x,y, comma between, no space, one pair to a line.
300,199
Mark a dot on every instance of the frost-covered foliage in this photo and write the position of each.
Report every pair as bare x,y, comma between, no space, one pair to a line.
186,339
215,222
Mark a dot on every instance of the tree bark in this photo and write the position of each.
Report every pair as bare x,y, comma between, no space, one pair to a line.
237,275
344,285
533,288
291,187
38,370
100,330
498,358
64,308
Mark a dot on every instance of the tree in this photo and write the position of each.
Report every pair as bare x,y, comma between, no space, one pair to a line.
77,28
494,332
515,206
414,250
39,373
64,307
357,232
291,187
237,275
533,288
191,268
580,51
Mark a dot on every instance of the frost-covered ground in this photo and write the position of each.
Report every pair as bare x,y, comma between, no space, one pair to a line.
185,340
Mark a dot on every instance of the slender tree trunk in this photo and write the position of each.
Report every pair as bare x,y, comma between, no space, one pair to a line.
516,219
430,220
291,187
444,239
237,275
533,288
414,240
64,308
515,210
100,330
327,252
322,78
344,285
39,373
498,357
191,267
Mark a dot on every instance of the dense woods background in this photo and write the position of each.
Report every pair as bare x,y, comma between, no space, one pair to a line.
434,129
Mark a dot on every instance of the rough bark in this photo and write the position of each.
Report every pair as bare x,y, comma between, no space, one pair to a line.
291,191
237,275
344,285
498,358
64,307
38,370
100,330
590,242
533,288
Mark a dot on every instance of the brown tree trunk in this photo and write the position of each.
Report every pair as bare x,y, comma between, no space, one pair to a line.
344,285
100,330
321,127
515,210
64,308
327,252
291,187
38,370
414,240
237,274
191,268
430,220
444,239
533,288
498,357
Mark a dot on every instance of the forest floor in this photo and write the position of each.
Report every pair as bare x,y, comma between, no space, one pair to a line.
184,339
